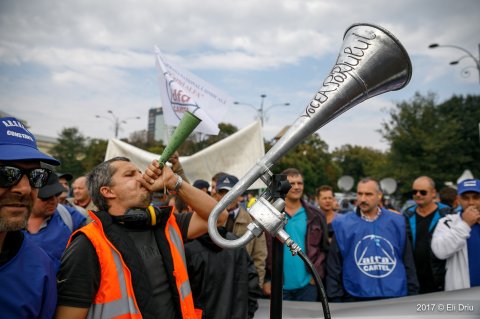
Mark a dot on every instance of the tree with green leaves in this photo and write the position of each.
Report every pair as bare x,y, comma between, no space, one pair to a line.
465,113
94,153
437,140
70,151
140,139
312,159
359,161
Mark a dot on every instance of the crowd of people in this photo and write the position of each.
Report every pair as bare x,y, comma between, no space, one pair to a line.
114,244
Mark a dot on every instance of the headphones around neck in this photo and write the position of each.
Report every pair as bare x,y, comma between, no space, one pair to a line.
142,218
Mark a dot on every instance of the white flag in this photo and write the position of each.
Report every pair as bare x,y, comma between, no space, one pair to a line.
182,91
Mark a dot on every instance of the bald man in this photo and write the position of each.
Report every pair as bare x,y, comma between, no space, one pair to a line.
422,218
80,194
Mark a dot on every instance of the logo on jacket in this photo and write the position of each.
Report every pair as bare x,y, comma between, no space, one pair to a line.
375,257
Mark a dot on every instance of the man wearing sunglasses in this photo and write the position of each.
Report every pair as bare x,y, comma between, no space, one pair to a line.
422,218
27,276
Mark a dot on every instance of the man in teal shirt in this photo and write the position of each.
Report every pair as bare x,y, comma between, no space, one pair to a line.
307,227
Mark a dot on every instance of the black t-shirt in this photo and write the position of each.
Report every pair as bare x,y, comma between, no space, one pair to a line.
79,275
152,258
422,253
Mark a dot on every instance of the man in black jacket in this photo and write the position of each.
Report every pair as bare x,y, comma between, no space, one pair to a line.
224,281
422,219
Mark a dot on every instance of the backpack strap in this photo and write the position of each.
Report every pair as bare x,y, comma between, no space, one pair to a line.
66,216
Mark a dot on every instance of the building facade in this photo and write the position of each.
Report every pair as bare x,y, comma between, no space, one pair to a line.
157,130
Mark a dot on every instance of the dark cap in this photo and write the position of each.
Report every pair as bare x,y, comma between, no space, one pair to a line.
226,182
18,144
53,187
200,183
468,185
67,176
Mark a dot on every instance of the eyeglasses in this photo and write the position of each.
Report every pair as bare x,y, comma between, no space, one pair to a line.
11,176
421,191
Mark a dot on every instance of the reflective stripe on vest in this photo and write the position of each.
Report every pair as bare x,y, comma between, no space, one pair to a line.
184,287
120,307
180,270
117,297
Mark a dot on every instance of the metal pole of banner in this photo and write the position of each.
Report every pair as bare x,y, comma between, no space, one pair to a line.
276,297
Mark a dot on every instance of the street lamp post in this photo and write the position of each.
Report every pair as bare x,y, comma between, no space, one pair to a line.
116,121
261,110
468,55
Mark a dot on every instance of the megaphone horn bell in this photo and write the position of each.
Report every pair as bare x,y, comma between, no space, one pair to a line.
371,62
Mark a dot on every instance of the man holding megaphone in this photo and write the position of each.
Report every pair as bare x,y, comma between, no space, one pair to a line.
130,261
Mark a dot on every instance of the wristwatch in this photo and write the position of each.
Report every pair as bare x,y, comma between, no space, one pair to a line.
177,186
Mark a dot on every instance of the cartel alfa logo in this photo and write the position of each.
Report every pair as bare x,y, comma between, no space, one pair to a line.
180,101
375,257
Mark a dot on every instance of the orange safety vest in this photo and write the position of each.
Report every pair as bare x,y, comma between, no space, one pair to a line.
115,297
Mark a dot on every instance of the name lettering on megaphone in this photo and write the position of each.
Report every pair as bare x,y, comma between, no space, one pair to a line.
346,63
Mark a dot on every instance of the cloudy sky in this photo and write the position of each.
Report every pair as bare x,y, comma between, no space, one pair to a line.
63,62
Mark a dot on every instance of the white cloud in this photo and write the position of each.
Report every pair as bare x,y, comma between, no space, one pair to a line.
62,62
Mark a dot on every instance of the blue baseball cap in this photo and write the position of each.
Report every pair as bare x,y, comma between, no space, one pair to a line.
200,183
226,182
468,185
18,144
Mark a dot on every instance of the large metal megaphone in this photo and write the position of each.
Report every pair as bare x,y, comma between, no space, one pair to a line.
371,62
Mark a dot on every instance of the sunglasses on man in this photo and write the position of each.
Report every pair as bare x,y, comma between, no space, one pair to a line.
421,191
11,176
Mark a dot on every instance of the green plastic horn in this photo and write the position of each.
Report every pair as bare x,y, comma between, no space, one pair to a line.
186,126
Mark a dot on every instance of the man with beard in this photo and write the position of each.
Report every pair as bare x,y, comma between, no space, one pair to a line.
130,262
27,276
370,256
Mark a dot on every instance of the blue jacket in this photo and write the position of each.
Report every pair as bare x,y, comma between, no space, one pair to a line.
370,260
437,265
410,215
54,235
28,283
372,255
